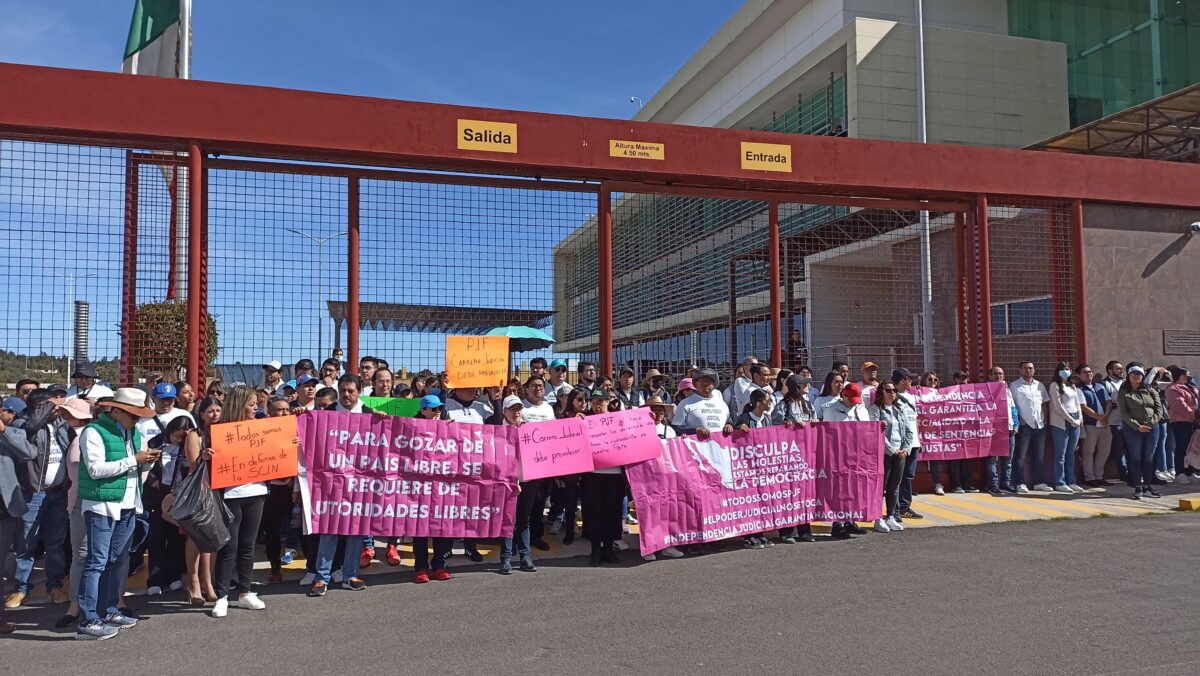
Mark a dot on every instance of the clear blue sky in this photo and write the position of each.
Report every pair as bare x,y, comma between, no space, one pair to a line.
572,58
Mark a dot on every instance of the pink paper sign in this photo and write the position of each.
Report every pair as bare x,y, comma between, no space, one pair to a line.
373,475
757,481
554,448
961,422
623,438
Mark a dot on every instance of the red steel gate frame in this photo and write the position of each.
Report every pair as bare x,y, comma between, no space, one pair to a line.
558,152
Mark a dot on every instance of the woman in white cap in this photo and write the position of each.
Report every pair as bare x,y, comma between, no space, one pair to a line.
1141,410
513,407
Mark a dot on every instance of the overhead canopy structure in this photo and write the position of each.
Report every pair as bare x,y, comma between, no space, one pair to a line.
460,321
1167,128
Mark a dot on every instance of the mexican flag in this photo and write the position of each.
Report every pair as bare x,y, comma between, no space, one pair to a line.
154,38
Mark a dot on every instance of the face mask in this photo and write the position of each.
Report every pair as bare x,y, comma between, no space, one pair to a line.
1065,375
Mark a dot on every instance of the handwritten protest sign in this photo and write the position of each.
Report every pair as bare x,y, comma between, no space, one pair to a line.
554,448
395,476
623,438
395,406
251,451
477,361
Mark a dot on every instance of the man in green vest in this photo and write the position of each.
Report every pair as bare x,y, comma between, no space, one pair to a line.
112,456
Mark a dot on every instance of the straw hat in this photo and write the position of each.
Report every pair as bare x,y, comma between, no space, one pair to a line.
652,373
131,400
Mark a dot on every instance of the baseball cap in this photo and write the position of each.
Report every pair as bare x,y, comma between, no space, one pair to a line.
57,390
14,404
625,370
85,370
1137,369
853,392
600,394
430,401
304,380
78,409
902,374
512,400
165,391
274,365
685,384
870,365
558,363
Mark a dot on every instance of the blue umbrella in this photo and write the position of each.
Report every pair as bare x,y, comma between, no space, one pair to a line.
523,338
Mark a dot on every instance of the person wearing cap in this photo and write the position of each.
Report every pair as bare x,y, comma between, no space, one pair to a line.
847,407
44,483
654,385
1141,409
1033,402
557,382
464,406
660,409
903,379
431,409
77,413
306,394
85,386
13,507
870,379
760,381
628,395
112,456
527,507
703,413
10,409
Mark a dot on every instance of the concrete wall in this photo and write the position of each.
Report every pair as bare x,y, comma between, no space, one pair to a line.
1141,272
981,89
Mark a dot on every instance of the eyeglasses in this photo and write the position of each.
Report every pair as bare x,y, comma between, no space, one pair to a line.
890,390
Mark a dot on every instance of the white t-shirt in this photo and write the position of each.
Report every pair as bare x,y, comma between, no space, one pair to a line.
56,469
148,428
94,392
696,411
538,413
475,412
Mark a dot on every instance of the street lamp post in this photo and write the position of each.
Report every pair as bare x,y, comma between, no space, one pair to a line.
70,278
320,242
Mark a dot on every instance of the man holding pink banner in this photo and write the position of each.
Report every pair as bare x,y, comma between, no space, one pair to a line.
705,490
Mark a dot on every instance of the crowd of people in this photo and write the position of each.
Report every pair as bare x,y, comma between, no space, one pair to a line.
87,473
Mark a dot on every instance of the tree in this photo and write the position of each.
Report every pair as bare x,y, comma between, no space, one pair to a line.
159,341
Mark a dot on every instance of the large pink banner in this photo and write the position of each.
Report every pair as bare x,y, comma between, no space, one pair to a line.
761,480
961,422
374,475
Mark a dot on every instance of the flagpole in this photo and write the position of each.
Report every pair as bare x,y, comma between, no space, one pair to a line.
185,39
181,190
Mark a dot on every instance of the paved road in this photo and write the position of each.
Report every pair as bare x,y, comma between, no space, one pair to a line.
1094,596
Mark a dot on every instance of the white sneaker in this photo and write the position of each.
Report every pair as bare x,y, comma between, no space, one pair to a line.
894,524
1076,487
881,526
1022,488
1064,489
220,608
938,490
620,545
176,585
1043,488
250,601
154,591
308,579
1161,475
556,528
649,557
671,553
336,578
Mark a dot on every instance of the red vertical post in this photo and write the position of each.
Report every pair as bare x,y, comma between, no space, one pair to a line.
960,255
776,312
195,300
985,280
604,240
129,273
1056,304
1080,294
352,264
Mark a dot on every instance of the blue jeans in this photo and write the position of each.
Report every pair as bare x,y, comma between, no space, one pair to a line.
904,500
1026,437
100,583
526,502
999,467
47,519
1139,450
325,553
1065,443
1163,457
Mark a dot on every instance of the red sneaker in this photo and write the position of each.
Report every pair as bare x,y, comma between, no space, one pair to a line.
421,576
441,575
393,555
364,559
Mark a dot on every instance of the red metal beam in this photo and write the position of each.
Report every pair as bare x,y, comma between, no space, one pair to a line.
1056,303
985,281
352,264
231,119
960,254
1080,286
129,273
604,240
776,314
195,347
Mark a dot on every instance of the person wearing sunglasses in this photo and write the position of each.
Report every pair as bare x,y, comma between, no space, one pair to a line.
897,440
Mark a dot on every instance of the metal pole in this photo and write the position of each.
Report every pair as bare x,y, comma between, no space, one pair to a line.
70,320
352,274
926,261
604,238
195,245
1080,295
985,280
185,39
776,313
320,300
129,271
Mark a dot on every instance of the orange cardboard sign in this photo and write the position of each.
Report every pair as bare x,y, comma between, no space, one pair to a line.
477,361
251,451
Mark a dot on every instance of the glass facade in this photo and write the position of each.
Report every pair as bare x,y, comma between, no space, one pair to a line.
1120,53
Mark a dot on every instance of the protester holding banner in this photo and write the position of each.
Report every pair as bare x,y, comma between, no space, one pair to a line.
536,408
703,413
793,407
847,407
527,492
431,409
830,392
564,495
463,406
931,380
602,492
897,440
1066,423
778,387
754,415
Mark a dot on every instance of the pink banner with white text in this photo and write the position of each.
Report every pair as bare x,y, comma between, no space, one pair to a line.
388,476
961,422
761,480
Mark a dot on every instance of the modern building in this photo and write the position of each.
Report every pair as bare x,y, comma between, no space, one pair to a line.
691,284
